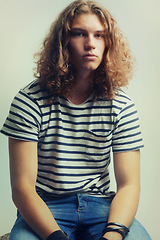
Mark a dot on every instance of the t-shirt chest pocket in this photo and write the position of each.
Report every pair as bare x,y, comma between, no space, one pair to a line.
98,144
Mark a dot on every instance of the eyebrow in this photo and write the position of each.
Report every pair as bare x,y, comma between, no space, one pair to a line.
84,30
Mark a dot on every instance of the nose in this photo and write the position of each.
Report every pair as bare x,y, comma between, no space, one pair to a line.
89,43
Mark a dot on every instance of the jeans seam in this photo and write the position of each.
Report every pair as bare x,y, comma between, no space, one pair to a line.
71,231
79,218
92,235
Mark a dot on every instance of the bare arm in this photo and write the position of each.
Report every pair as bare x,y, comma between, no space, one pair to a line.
125,203
23,171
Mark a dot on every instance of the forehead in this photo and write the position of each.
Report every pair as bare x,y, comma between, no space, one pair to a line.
87,21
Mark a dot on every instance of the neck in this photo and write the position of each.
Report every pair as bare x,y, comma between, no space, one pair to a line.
81,89
84,77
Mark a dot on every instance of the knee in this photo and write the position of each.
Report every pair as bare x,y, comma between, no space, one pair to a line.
22,231
137,231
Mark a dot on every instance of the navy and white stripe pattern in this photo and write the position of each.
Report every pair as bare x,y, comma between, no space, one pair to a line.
74,141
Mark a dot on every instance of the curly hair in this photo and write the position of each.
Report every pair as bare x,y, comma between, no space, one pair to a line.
56,73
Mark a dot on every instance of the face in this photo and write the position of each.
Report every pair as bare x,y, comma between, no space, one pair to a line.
87,42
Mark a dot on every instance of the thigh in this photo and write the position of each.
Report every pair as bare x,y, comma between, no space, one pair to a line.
64,210
95,216
137,232
21,230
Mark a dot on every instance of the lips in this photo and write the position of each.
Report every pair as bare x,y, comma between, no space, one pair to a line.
90,56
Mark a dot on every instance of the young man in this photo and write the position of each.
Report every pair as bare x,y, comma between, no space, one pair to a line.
62,128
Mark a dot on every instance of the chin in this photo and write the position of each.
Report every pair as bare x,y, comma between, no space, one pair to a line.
92,67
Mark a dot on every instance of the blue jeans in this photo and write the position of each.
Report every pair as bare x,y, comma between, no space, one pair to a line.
82,217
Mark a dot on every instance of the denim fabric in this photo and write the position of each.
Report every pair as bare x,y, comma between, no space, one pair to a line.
82,217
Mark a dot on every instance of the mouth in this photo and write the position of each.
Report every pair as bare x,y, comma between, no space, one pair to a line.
90,56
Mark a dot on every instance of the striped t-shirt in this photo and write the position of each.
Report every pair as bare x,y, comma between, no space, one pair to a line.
74,141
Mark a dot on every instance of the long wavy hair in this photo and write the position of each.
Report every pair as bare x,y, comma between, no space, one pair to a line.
56,73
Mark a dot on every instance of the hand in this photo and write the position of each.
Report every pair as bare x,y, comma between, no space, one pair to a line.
112,236
57,235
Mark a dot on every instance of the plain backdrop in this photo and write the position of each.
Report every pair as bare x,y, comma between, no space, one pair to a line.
24,24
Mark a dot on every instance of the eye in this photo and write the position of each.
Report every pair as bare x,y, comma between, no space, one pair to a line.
99,35
77,34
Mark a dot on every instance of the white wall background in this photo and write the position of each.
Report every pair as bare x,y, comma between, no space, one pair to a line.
23,25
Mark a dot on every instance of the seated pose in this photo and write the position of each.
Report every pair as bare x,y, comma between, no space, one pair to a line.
63,128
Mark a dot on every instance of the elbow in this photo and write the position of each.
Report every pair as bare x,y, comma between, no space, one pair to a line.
16,194
20,194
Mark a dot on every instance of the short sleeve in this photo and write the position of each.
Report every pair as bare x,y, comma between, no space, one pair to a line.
23,121
127,134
